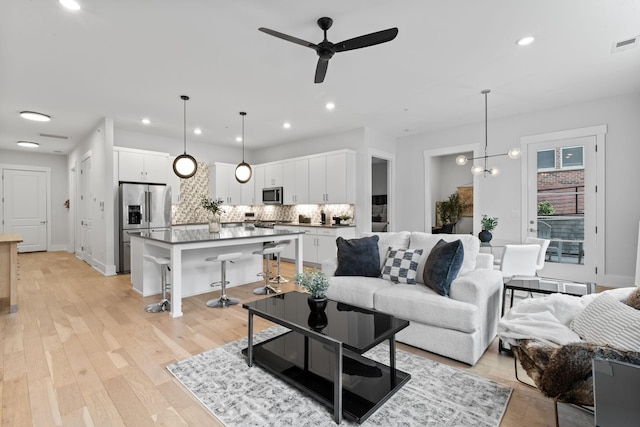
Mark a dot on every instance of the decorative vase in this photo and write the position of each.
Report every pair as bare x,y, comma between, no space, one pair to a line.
317,304
214,223
317,320
485,236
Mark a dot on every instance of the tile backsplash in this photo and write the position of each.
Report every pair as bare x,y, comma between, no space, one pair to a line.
189,211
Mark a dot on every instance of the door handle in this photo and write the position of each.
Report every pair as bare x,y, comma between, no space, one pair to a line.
149,207
43,222
532,230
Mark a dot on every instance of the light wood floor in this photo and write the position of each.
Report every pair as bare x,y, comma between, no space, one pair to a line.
81,351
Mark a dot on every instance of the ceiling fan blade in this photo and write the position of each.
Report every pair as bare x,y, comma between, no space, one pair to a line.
367,40
288,38
321,70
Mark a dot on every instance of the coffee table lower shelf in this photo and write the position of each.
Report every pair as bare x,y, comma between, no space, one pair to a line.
366,384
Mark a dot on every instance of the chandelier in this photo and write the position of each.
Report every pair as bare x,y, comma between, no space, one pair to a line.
483,168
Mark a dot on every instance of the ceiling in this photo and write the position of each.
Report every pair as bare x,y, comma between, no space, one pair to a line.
129,59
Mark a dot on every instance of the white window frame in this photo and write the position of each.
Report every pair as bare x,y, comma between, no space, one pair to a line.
566,168
554,162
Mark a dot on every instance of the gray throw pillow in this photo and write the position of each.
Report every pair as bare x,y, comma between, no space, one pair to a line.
358,257
443,265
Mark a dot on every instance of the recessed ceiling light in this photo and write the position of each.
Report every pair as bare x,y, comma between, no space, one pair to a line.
32,115
28,144
70,4
330,106
146,121
525,41
286,125
238,139
197,131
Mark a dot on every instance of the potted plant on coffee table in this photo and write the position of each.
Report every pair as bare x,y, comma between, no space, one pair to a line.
489,223
316,283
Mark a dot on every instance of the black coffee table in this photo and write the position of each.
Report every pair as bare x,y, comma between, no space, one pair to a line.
322,353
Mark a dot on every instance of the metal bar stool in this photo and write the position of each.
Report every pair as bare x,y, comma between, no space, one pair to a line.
164,304
266,252
224,300
279,278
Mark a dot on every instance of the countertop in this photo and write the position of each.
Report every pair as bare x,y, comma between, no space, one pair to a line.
10,237
203,235
314,224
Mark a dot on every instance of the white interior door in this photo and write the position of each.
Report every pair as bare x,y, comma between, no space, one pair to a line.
561,205
25,207
85,211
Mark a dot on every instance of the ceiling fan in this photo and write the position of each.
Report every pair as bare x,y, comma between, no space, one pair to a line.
325,49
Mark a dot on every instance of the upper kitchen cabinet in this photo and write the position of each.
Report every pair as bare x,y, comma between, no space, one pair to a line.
173,181
295,178
273,175
332,178
248,189
258,182
142,166
225,186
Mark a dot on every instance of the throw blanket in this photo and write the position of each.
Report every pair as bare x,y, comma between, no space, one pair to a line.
547,319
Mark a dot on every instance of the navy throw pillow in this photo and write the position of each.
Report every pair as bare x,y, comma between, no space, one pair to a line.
358,257
443,265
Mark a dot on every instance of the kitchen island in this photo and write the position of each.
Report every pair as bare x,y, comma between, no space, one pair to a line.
190,273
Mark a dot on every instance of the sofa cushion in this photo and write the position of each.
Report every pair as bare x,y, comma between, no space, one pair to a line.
427,241
609,321
418,303
401,265
357,291
358,257
399,239
442,265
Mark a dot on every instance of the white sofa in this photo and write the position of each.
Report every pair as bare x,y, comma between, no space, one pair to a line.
460,326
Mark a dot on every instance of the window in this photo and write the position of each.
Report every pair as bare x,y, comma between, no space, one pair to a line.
572,157
546,159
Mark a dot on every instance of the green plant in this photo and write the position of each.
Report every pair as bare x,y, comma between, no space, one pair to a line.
212,205
545,208
313,281
488,222
344,217
451,209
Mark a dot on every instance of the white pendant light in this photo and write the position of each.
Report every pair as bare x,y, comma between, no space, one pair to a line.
485,170
185,166
243,170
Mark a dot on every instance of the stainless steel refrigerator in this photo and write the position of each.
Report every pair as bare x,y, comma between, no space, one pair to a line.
142,207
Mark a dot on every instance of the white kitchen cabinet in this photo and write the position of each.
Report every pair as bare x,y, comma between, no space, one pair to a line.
318,243
273,175
173,181
142,166
248,192
295,179
332,178
258,179
225,185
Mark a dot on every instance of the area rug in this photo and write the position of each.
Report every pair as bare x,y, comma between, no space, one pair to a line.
436,395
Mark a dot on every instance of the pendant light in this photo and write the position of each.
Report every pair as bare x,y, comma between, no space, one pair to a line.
477,170
185,166
243,170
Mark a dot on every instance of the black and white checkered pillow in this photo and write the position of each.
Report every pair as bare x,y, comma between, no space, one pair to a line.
401,265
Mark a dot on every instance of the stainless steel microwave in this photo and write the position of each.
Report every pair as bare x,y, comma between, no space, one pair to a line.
272,196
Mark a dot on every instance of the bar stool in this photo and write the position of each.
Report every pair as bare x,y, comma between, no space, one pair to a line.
164,304
266,253
224,300
279,278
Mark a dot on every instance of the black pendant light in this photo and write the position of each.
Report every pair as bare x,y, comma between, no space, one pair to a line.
243,170
185,166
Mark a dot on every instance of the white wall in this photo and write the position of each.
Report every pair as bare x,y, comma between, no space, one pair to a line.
59,193
202,151
99,143
501,196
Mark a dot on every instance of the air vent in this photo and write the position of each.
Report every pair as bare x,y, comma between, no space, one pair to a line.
48,135
625,44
